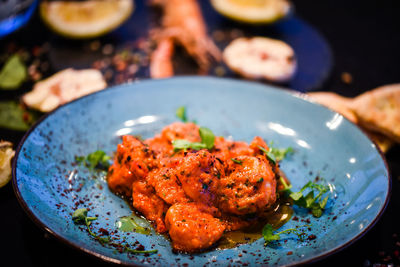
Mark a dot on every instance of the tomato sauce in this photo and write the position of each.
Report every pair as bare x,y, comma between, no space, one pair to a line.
197,195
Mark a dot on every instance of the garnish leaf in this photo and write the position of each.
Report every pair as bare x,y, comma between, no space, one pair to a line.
322,204
13,73
296,195
310,201
270,236
207,137
240,162
286,187
98,159
181,144
276,154
207,141
80,217
280,153
268,154
181,113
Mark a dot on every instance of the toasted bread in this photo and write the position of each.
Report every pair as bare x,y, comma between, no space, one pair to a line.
337,103
379,110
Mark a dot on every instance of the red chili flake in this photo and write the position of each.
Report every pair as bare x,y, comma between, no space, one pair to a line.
140,247
289,253
312,237
396,253
240,255
104,231
264,56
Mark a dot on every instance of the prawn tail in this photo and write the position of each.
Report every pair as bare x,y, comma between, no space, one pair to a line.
161,60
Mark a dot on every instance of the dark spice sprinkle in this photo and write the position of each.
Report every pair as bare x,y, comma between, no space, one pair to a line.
312,237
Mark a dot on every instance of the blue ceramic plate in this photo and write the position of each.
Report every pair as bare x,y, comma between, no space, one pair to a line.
50,186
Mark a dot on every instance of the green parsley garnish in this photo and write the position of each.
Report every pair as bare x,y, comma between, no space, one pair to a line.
181,113
310,201
268,154
80,217
270,236
133,223
240,162
276,154
13,73
207,141
98,159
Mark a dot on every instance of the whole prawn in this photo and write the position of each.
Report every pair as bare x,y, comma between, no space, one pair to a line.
182,23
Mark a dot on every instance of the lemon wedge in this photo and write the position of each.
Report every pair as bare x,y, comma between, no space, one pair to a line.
85,19
253,11
6,153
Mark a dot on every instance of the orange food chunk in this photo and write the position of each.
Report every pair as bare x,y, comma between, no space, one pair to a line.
249,186
192,229
195,195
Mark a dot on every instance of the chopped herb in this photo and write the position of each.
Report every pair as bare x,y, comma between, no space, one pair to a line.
268,154
207,141
205,186
315,203
286,187
276,154
97,159
13,73
133,223
80,217
127,249
281,153
270,236
181,113
240,162
181,144
260,180
207,137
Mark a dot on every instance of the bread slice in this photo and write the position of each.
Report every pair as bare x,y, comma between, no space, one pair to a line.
337,103
379,110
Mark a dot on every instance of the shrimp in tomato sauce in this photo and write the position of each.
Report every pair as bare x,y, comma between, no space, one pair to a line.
195,195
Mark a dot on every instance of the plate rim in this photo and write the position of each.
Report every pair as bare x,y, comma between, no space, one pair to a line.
292,93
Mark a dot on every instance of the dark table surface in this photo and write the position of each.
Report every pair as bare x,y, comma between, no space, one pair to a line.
364,38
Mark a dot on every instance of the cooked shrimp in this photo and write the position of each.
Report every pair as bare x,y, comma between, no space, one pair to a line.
149,204
227,149
161,59
182,23
131,163
191,229
199,173
167,185
196,195
249,187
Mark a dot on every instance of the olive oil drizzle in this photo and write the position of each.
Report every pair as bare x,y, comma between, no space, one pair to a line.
278,216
